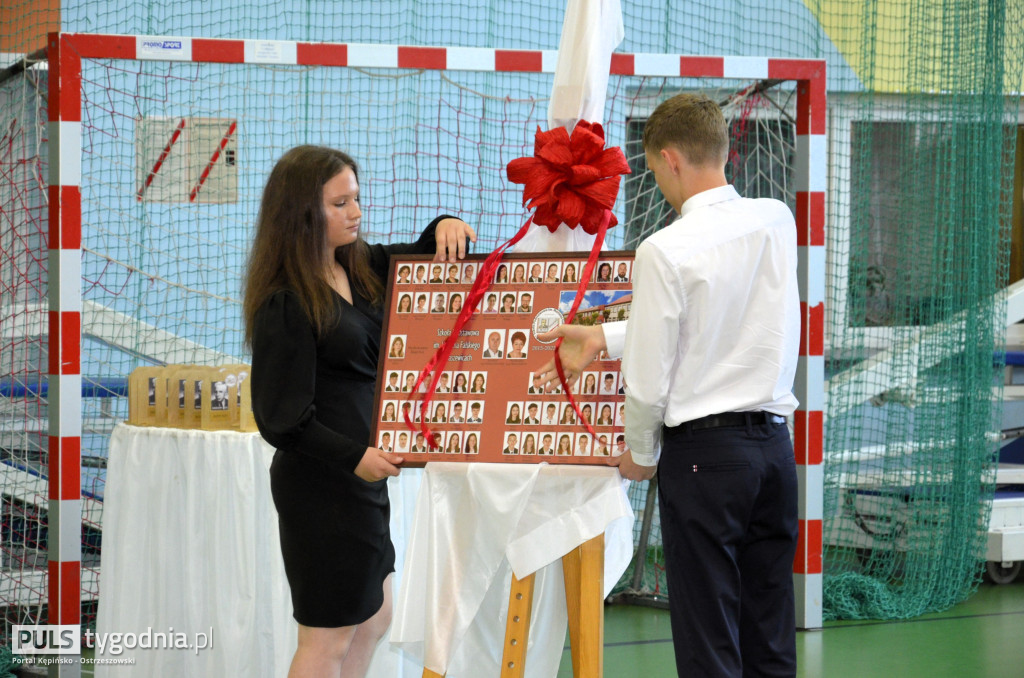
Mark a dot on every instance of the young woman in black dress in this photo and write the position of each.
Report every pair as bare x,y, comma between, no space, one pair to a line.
313,310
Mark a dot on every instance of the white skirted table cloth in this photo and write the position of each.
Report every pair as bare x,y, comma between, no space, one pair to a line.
190,546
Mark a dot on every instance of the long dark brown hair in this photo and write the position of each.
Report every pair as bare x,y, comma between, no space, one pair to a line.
289,249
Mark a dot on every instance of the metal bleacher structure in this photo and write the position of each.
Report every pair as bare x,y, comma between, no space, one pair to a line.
1006,525
23,569
1005,545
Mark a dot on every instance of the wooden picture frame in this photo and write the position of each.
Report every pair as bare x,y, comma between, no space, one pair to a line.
499,345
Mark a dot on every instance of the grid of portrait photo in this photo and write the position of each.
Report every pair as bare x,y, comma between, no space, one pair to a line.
488,403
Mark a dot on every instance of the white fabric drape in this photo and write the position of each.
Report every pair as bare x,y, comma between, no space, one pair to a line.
476,524
591,31
190,543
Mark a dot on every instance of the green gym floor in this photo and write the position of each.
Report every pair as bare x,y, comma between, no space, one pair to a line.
983,637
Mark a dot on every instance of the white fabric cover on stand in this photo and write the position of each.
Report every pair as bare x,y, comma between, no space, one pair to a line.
190,542
475,525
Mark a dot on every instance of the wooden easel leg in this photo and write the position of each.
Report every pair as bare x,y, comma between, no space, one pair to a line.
517,630
583,569
517,627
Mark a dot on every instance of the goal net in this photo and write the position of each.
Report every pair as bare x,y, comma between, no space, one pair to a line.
174,155
23,344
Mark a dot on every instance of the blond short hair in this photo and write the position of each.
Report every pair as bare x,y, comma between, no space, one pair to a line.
692,123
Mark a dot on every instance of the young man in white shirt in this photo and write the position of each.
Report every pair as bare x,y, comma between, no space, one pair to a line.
709,355
420,444
550,415
510,445
531,414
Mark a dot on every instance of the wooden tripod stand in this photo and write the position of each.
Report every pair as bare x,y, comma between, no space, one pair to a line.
583,571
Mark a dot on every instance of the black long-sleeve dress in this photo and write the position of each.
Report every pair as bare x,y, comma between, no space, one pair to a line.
312,400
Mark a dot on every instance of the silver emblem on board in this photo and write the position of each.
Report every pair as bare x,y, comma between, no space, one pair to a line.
545,321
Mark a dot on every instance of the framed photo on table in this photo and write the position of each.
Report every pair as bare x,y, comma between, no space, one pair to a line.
487,404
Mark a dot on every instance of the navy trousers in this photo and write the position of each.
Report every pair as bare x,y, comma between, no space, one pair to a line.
728,500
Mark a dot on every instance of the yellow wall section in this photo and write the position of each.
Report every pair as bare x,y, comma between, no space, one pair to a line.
893,66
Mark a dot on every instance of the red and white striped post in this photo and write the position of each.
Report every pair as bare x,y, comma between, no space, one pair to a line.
811,179
64,518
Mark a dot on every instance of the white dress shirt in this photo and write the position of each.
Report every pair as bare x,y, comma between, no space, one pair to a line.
715,320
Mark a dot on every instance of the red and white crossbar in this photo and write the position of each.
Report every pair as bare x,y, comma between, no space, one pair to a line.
66,52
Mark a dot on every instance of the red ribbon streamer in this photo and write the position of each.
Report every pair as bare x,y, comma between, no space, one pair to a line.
440,358
571,179
580,291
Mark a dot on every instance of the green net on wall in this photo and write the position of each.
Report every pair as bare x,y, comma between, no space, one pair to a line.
916,320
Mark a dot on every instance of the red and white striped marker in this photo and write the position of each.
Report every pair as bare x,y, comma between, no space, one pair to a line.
168,147
809,419
64,517
213,160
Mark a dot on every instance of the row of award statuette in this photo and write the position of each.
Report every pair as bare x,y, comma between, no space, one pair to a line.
191,396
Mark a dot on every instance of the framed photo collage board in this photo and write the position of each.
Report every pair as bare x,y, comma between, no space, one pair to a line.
488,405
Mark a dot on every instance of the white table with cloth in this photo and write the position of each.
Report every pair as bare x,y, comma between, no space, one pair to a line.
190,546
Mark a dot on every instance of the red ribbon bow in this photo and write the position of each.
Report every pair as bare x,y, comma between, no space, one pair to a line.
572,179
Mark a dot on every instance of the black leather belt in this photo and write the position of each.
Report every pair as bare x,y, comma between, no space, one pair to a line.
735,419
